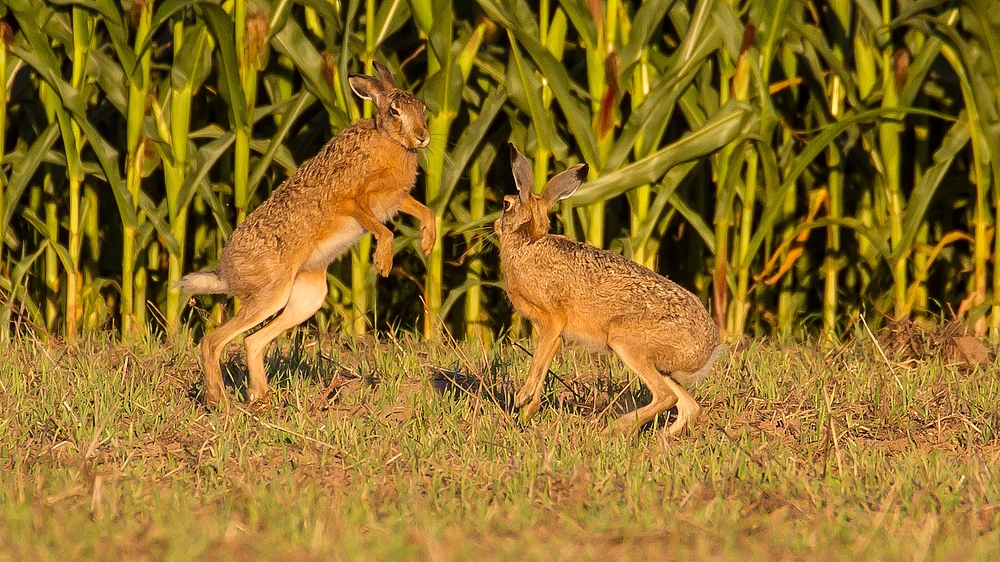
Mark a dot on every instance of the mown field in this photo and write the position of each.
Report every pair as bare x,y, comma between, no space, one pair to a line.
399,449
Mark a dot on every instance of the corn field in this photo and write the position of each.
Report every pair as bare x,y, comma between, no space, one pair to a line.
800,165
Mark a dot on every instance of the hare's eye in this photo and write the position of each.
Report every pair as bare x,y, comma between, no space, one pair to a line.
393,110
507,205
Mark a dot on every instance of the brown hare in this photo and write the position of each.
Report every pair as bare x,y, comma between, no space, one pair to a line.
276,259
569,289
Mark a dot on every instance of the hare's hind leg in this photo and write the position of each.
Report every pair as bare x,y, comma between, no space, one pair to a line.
307,295
255,309
529,398
635,357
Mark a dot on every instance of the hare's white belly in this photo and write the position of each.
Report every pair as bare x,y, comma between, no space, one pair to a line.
347,233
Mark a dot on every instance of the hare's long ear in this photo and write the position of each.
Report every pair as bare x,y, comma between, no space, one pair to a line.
524,176
563,184
384,74
367,87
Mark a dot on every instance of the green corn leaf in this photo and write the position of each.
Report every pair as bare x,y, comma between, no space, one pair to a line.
556,40
982,57
156,217
24,169
650,119
910,9
439,36
457,292
276,142
817,41
391,17
221,26
665,190
466,146
729,123
107,71
580,15
43,230
516,18
645,26
727,189
695,220
525,82
16,288
816,146
290,41
278,153
38,54
193,64
954,142
113,18
208,155
326,10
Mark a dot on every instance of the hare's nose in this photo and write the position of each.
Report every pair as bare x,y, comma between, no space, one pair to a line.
423,139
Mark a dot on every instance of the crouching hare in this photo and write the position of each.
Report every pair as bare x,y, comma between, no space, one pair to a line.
276,260
578,292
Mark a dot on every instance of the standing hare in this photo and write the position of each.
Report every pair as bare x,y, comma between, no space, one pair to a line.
276,259
569,289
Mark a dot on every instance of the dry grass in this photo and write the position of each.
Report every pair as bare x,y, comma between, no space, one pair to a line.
396,449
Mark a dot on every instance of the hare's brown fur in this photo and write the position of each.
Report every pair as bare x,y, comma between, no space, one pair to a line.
578,292
276,259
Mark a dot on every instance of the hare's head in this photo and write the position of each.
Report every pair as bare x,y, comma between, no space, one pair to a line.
528,213
400,113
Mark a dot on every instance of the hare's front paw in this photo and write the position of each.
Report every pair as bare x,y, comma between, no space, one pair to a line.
383,258
427,235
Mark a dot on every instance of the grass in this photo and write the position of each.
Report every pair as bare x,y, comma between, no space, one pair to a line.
399,449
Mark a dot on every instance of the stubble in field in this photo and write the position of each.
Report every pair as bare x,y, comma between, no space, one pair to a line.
399,449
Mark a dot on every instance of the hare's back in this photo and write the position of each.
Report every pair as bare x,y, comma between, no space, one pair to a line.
608,277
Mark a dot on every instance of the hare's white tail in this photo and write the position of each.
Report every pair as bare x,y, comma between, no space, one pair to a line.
203,283
700,373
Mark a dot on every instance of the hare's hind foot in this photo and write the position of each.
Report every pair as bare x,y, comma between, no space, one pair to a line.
212,398
526,411
213,392
687,409
257,393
